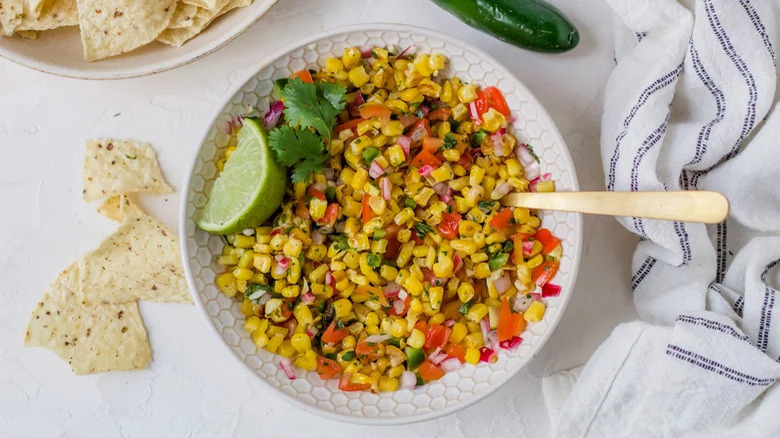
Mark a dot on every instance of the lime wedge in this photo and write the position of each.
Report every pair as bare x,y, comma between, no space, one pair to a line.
249,189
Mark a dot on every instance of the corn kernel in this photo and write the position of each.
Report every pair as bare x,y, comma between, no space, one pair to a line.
443,173
274,342
286,349
535,312
459,331
227,284
260,339
301,342
477,312
465,292
358,76
416,339
482,270
342,307
473,340
467,93
451,155
472,356
436,295
492,120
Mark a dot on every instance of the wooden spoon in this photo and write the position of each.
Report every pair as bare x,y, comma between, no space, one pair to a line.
684,206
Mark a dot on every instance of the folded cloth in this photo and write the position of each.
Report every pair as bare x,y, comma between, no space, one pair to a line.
689,106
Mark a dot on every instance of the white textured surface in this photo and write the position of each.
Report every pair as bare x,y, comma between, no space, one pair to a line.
457,389
193,387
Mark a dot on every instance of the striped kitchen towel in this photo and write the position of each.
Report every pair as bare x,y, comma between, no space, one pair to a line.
690,105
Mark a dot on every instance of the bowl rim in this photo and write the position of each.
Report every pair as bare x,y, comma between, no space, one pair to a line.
183,219
135,72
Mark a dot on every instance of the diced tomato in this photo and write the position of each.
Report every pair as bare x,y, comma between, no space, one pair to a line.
416,239
425,158
316,193
290,325
455,350
547,239
369,350
421,326
392,311
420,130
432,144
392,230
545,272
509,324
303,75
440,114
393,249
466,160
333,334
346,385
437,336
327,368
374,109
331,214
366,213
352,124
448,227
502,220
301,210
429,371
495,99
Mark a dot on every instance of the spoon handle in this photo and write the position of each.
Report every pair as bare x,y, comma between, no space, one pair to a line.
684,206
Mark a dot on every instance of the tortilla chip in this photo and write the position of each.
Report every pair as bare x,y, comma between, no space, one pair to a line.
183,17
212,5
57,13
28,34
111,27
204,17
36,6
115,167
92,339
119,207
140,260
11,12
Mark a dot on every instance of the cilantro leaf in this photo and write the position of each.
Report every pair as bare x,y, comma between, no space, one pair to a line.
313,105
423,229
341,242
449,141
533,154
478,137
292,145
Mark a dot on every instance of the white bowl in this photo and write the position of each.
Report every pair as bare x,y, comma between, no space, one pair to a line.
59,51
455,390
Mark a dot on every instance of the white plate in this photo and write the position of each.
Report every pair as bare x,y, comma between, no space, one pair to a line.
457,389
59,51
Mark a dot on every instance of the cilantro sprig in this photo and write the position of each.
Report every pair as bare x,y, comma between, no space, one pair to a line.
310,112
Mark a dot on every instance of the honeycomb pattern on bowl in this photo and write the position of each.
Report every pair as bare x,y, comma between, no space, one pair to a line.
456,389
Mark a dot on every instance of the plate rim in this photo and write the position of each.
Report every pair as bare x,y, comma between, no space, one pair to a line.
182,220
73,73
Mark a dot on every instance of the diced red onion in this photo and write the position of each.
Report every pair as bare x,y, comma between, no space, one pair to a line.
487,355
437,356
405,51
375,170
307,298
330,173
238,121
402,294
446,198
274,114
340,226
354,109
227,128
312,332
418,134
408,380
263,299
536,296
366,53
408,120
551,290
503,283
449,323
286,366
426,171
528,161
451,364
284,262
511,344
440,188
425,110
319,186
316,237
274,232
499,148
386,188
399,306
290,324
248,232
377,338
473,113
406,144
528,246
457,263
329,279
392,289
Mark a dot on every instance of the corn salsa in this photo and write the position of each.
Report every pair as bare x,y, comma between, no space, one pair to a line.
396,262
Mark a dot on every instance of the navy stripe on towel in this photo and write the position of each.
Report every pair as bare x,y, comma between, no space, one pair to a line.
710,365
